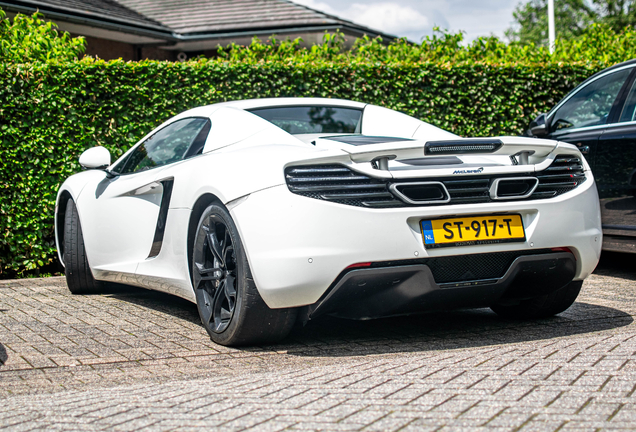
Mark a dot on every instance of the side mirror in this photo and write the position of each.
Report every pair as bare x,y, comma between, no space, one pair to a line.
538,127
95,158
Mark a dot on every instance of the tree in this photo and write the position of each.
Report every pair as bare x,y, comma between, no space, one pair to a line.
618,14
572,18
30,38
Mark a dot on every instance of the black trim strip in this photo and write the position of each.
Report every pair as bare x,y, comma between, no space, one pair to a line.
617,106
412,285
163,216
619,227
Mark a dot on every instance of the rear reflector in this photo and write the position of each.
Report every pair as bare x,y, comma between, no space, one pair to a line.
363,264
561,249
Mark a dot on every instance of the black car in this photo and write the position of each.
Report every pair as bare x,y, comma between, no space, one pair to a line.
599,117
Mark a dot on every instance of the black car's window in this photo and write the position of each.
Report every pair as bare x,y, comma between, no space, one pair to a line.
591,105
177,141
629,109
312,119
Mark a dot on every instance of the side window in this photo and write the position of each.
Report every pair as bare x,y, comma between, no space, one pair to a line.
591,105
177,141
312,119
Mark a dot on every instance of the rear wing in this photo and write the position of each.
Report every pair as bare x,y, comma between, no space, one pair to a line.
500,155
525,150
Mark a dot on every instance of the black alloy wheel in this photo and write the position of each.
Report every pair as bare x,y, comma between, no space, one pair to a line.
231,308
214,274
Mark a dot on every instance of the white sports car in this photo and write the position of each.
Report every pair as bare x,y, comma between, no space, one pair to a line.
271,211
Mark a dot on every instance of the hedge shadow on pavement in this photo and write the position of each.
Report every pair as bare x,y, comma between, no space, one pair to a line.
3,355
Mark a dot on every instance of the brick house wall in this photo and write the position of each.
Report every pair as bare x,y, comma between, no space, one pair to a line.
109,50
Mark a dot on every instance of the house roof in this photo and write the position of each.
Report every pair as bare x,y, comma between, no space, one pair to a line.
178,21
221,16
97,10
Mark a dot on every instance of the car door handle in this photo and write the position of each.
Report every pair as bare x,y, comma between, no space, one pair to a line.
584,149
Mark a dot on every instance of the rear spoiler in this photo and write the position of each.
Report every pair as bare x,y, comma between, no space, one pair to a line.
520,147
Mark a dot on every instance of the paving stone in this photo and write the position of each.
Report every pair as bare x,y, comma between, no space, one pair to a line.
132,359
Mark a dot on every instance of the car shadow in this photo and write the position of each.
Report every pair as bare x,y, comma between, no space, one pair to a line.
335,337
332,337
617,264
158,301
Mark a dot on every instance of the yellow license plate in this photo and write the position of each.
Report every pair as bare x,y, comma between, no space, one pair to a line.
473,230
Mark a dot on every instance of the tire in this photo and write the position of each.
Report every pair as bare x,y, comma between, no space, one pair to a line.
542,306
231,309
79,277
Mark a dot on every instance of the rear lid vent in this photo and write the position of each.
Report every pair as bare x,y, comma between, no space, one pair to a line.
563,175
339,184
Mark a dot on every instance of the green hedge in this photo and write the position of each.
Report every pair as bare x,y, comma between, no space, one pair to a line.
50,113
599,44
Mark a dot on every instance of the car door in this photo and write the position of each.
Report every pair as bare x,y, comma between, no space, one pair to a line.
122,215
599,118
615,170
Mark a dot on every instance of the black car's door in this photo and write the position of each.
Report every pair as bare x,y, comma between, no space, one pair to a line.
615,173
585,139
600,119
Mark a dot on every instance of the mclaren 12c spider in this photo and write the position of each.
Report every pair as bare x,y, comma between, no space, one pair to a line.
271,211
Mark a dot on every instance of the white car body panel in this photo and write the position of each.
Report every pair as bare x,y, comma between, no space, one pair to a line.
169,271
379,121
127,210
349,235
296,245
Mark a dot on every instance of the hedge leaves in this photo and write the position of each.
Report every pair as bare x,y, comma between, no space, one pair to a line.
50,113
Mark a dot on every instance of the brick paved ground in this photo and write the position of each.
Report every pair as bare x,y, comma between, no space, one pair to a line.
133,359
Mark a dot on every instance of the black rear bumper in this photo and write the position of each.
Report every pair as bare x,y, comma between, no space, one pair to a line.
401,289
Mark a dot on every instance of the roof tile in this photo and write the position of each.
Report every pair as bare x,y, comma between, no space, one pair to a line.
97,9
210,16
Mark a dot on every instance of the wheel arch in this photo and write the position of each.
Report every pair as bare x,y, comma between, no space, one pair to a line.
197,210
60,211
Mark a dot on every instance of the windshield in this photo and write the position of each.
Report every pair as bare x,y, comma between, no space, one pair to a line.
312,119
